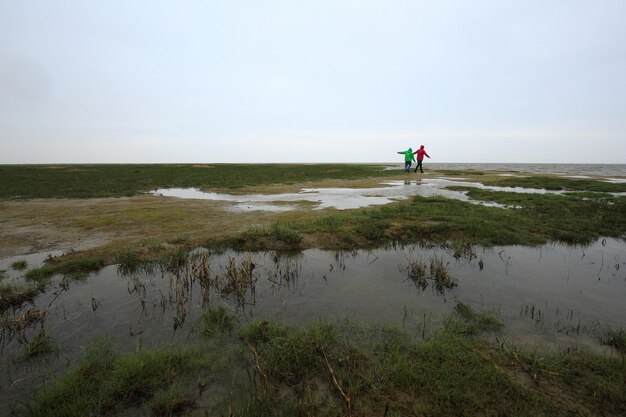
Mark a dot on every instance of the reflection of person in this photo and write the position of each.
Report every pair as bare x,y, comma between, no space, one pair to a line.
420,157
408,159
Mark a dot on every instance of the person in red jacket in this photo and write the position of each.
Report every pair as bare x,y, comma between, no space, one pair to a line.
420,157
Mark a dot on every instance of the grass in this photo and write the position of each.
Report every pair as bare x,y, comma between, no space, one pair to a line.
106,381
339,369
542,219
438,274
15,295
179,239
277,236
559,184
40,345
130,262
616,339
19,265
576,218
89,181
76,268
329,369
215,322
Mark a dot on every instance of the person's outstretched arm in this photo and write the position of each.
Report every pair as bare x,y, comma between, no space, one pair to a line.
426,154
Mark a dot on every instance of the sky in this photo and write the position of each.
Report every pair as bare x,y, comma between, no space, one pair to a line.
147,81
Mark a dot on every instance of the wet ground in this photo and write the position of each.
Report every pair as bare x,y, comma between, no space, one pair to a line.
350,198
549,296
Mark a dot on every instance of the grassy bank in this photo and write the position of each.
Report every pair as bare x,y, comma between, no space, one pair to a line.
338,369
90,181
536,219
147,229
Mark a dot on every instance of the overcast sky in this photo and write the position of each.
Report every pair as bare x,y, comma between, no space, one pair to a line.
312,81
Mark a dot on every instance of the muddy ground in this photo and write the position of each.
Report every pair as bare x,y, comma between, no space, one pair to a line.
110,224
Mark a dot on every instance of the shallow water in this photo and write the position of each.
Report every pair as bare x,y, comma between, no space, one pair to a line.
602,170
351,198
552,295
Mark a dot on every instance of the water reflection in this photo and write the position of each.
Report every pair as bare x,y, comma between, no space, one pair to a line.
553,294
351,198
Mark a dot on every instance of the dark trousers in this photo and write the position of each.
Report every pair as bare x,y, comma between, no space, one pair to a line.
419,165
407,166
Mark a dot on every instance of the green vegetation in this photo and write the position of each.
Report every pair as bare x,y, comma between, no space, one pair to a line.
106,381
558,183
215,322
179,239
129,262
541,219
40,345
340,369
328,368
72,268
88,181
19,265
616,339
14,295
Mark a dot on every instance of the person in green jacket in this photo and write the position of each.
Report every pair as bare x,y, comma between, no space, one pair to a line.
408,159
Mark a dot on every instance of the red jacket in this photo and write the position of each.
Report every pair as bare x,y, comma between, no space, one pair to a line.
420,153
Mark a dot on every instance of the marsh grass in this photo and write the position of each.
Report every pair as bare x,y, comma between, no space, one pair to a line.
542,219
76,268
239,280
616,339
129,262
559,184
277,236
341,369
19,265
285,233
15,295
579,382
153,246
179,239
438,274
470,322
89,181
106,381
172,400
40,345
215,322
17,325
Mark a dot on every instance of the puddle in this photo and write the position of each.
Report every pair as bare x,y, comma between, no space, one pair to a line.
31,260
551,296
339,198
351,198
615,180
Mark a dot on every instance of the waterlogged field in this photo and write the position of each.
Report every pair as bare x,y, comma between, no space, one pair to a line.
459,292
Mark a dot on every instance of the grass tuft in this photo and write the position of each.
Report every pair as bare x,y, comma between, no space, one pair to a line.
105,381
616,339
129,262
40,345
179,239
72,268
19,265
215,322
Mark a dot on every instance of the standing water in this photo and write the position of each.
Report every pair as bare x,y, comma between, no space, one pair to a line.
552,295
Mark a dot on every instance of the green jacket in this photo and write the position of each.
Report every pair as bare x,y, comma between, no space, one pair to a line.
408,155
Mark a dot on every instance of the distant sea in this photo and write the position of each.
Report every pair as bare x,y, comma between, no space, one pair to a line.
605,170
